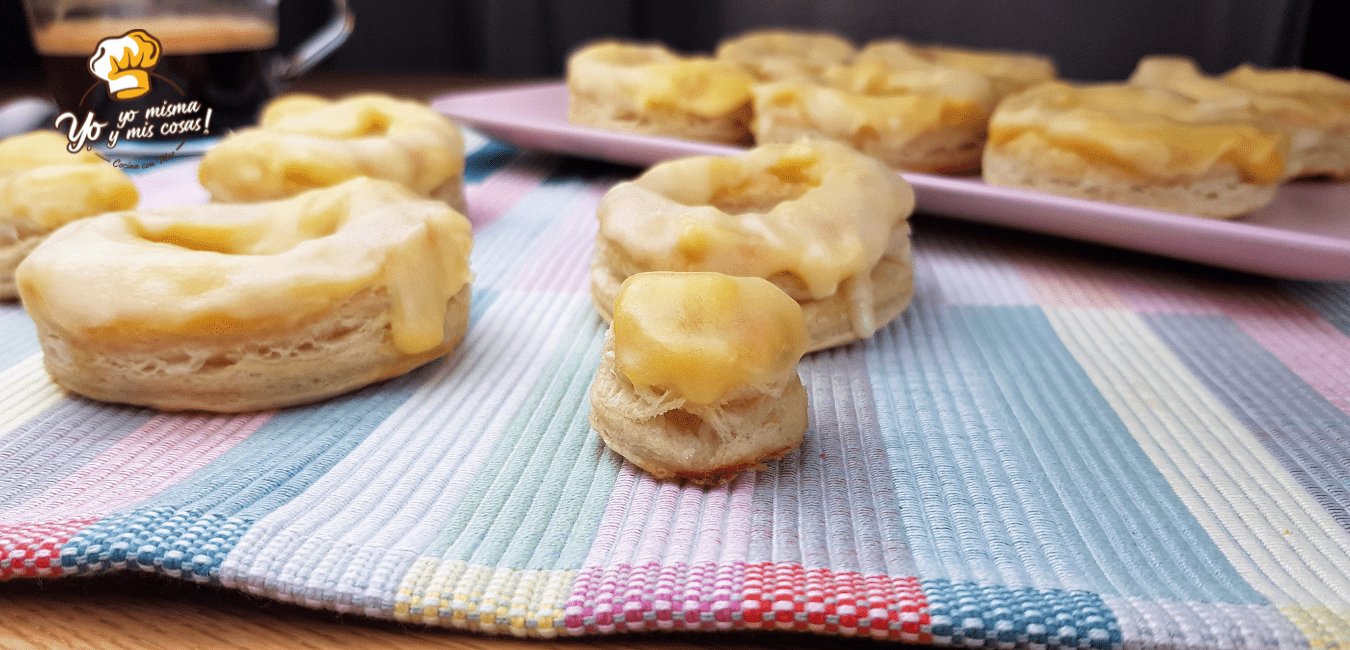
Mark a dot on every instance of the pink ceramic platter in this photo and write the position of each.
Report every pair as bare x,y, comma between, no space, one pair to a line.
1304,234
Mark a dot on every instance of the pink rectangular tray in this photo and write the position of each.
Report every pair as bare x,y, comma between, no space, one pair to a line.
1304,234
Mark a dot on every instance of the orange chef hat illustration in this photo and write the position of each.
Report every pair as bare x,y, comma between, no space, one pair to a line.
125,62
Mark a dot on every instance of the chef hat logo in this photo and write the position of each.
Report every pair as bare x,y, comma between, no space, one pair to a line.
125,62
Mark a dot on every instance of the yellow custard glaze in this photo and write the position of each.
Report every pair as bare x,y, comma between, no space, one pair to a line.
703,335
1291,97
651,76
1291,81
1007,71
1152,131
952,86
872,101
224,269
814,209
42,182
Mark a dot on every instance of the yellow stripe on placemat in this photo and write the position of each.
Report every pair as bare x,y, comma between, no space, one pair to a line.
522,602
25,391
1280,540
1324,627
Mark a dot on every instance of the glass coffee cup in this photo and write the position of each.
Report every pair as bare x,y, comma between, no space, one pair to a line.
153,75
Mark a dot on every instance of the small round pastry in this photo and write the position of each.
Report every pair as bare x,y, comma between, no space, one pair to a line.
1134,145
242,307
923,119
826,224
306,142
646,88
698,375
1313,107
1008,72
775,54
43,187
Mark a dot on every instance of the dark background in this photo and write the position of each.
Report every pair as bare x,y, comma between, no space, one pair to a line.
1089,39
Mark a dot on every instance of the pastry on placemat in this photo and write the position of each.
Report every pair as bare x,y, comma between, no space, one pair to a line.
305,142
698,375
43,187
245,306
826,224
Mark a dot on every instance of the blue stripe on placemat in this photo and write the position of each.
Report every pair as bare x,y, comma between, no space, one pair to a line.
973,615
487,159
557,408
554,452
20,338
1305,432
1009,472
200,519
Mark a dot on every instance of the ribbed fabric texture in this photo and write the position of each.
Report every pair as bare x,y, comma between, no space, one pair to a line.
1056,445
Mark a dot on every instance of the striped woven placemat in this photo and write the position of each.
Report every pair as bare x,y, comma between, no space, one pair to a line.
1056,445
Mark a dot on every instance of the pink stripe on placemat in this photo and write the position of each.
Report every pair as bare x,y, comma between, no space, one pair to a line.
156,455
490,199
150,459
700,529
650,521
1312,348
1054,288
1057,282
1297,335
633,520
673,556
611,522
762,595
1147,295
1200,295
564,258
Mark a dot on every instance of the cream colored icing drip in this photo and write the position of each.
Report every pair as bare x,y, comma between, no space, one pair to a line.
227,268
704,335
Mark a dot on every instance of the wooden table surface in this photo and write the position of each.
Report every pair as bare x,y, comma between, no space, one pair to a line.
138,610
